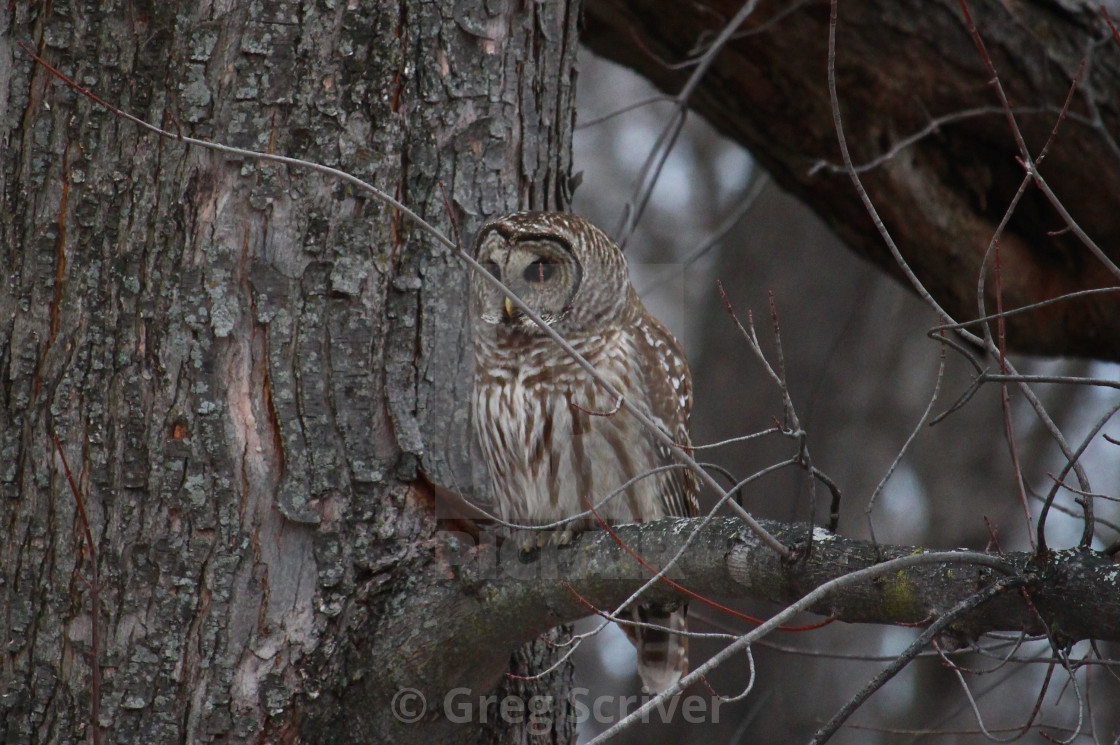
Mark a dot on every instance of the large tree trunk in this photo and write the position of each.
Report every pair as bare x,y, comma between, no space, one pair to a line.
899,67
251,368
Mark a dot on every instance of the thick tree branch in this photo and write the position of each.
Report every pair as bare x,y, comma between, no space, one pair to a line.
1074,593
498,599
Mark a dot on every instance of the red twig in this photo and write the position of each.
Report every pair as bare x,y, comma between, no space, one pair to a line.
1005,398
95,601
450,215
993,535
84,91
1108,20
994,80
612,412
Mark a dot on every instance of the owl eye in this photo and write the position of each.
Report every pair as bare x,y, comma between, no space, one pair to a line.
494,269
539,271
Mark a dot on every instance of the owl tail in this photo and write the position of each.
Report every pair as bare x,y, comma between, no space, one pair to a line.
662,654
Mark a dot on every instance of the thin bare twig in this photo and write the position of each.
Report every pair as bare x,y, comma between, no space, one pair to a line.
1087,533
758,183
905,446
1000,343
825,733
623,110
983,319
651,169
1059,379
791,427
932,127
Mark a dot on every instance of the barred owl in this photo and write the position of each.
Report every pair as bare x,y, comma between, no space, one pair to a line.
553,438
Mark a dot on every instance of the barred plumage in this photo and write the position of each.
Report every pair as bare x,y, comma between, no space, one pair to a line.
552,437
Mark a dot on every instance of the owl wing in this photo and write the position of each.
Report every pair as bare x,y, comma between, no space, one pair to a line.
669,390
663,651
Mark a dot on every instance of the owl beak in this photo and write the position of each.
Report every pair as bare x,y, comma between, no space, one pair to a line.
509,308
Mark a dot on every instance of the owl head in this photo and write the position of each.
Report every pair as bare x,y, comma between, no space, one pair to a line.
563,267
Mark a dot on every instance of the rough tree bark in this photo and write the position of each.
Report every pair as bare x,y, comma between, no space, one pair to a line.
899,66
250,367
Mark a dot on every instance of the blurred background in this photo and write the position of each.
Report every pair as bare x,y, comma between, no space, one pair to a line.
861,373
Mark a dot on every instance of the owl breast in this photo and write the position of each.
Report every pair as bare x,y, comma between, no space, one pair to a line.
555,442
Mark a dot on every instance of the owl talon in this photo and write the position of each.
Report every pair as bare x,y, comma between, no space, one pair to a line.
561,537
527,543
533,541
